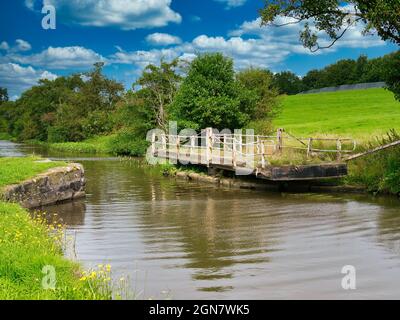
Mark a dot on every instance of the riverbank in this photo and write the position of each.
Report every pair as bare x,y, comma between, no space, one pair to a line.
118,144
30,246
33,182
29,250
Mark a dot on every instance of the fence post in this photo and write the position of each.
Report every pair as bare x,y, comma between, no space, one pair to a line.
262,155
339,148
193,158
234,153
279,139
209,142
225,149
153,144
309,147
164,146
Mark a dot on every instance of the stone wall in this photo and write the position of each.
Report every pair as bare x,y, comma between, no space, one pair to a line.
53,186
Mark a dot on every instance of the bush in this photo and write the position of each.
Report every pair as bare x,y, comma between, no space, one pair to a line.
379,172
127,143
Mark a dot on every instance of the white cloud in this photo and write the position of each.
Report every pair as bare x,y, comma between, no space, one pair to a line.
20,45
124,14
4,46
232,3
140,59
160,39
288,36
60,58
17,78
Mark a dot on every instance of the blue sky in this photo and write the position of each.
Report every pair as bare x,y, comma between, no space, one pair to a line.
129,34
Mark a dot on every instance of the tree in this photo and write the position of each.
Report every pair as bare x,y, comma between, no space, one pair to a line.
392,73
287,83
335,18
158,87
3,95
260,83
211,97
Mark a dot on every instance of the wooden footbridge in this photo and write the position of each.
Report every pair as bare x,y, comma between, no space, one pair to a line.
266,157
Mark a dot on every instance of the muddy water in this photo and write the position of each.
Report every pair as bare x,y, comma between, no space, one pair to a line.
185,240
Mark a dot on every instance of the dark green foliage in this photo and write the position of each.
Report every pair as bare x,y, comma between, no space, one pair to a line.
287,83
362,70
392,73
260,84
211,97
69,108
128,143
379,172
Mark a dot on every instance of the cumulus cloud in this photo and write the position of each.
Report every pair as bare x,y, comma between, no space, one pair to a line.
4,46
162,39
124,14
288,35
232,3
140,59
17,78
60,58
20,45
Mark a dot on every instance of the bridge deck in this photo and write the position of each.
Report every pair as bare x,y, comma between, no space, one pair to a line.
232,153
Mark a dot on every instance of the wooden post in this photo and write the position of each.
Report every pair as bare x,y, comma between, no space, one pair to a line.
192,153
209,142
339,148
309,147
164,144
279,139
178,143
153,144
225,149
262,155
234,152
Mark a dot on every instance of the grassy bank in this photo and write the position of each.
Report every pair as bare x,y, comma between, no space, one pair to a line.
359,114
15,170
116,144
96,145
27,246
4,136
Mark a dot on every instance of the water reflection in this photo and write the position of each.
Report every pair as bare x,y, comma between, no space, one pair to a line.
203,242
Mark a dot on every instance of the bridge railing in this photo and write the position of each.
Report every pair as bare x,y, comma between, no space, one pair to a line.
209,147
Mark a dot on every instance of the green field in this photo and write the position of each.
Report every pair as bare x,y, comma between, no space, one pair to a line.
360,114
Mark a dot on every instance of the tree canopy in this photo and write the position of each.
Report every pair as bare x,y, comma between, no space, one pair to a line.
210,95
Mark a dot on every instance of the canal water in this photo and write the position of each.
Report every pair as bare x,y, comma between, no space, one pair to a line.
182,240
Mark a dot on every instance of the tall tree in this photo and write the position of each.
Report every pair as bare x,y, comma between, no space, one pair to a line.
157,87
392,73
211,97
335,18
261,83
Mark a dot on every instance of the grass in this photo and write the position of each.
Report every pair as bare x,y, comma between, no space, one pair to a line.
359,114
27,246
4,136
15,170
99,145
